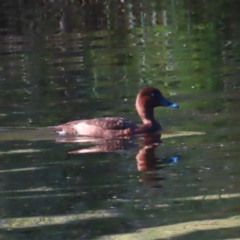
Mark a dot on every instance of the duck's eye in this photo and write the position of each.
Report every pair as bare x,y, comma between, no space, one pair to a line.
153,94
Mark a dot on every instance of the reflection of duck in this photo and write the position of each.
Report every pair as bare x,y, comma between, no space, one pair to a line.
112,127
101,144
146,160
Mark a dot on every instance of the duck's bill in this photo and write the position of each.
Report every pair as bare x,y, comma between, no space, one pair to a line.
165,103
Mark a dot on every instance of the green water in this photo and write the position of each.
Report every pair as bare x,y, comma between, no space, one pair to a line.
62,61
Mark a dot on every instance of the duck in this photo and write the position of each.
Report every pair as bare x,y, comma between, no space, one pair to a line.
113,127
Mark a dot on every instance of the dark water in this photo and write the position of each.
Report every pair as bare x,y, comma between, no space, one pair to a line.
62,61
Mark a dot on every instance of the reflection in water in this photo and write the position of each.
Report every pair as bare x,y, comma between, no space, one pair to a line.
146,160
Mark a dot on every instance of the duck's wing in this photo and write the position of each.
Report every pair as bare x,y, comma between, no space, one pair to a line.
111,123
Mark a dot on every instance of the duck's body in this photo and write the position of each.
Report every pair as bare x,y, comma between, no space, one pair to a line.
110,127
98,127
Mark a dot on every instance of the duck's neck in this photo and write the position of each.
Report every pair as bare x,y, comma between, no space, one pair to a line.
147,116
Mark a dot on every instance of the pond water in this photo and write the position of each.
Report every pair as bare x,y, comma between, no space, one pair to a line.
62,61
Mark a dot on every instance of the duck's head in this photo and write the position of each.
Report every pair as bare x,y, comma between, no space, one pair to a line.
150,98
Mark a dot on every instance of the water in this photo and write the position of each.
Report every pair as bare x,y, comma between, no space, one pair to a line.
65,61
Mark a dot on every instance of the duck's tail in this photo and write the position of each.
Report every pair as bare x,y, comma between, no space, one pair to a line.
60,130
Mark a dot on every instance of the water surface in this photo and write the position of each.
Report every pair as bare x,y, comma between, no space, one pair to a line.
65,61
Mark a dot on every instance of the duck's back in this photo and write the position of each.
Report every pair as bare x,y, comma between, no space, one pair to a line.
97,127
